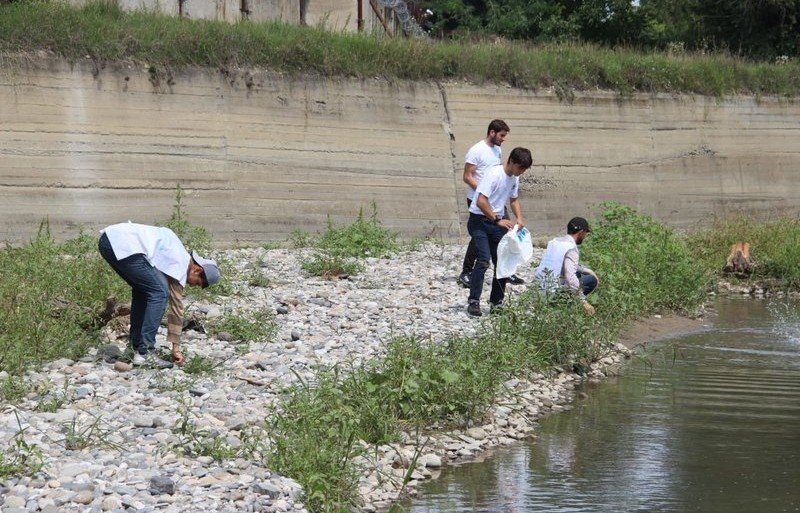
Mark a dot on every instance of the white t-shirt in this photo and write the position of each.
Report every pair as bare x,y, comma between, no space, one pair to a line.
162,248
483,157
498,187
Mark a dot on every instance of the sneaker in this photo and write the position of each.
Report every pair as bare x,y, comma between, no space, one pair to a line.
463,280
495,309
155,362
474,309
138,360
515,280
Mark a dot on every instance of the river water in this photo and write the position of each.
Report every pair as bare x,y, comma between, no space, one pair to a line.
707,422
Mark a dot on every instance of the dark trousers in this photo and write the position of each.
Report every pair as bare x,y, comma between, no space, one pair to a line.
588,283
472,251
149,295
486,235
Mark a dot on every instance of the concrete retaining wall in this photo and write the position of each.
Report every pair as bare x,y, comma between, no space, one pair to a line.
260,154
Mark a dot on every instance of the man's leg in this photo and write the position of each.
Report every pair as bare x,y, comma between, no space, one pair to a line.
469,258
498,293
477,230
588,283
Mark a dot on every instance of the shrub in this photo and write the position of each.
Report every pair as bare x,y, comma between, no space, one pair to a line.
50,296
338,249
644,267
255,326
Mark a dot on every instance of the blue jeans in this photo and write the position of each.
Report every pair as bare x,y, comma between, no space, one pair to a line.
588,283
150,292
486,236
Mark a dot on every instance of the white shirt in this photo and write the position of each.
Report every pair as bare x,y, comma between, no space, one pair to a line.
483,157
162,248
498,187
559,265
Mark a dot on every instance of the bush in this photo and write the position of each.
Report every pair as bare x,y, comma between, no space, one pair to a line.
256,326
644,267
50,296
338,249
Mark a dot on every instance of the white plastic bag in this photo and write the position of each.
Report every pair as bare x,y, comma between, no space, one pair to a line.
514,249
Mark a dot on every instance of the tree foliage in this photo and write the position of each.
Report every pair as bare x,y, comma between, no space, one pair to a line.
749,28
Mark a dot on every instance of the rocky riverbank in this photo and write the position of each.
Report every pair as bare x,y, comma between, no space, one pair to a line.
116,440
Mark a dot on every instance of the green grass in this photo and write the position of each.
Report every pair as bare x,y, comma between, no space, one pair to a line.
49,296
774,245
644,267
105,33
337,251
254,326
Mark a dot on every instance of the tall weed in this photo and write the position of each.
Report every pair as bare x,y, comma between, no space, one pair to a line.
644,266
50,295
338,249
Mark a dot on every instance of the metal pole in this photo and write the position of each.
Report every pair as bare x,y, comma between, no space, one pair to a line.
360,19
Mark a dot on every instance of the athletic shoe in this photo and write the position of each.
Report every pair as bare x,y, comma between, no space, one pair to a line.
138,360
515,280
495,309
474,309
463,280
157,363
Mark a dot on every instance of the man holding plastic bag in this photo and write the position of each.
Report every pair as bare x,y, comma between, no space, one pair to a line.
487,226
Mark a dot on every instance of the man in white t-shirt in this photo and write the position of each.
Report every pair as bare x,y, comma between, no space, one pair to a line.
481,156
488,222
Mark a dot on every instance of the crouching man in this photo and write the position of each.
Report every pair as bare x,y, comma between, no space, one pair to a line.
153,261
487,224
560,266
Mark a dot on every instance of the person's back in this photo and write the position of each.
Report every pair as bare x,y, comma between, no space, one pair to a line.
550,270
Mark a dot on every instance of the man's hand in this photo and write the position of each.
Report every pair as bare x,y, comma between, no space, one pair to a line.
520,223
505,223
588,308
177,356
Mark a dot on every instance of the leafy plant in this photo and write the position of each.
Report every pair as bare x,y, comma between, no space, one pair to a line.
338,248
195,441
255,326
14,388
300,239
195,238
95,433
50,296
197,364
329,266
257,278
314,443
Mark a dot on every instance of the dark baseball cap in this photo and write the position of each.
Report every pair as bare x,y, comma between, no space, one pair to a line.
210,269
577,224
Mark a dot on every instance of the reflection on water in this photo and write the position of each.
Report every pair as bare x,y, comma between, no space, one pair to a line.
709,422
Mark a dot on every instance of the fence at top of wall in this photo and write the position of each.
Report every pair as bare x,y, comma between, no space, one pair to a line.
387,17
